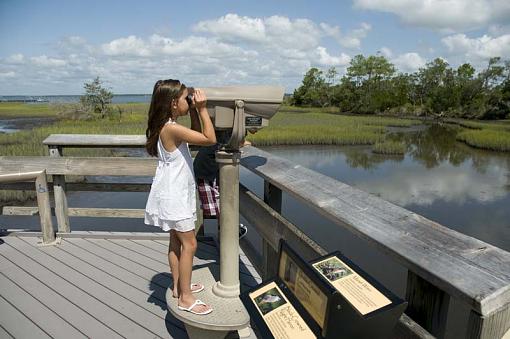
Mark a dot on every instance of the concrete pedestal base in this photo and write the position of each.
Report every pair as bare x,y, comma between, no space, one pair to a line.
228,314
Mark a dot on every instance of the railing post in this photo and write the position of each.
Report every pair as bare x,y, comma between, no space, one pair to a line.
43,199
59,192
494,325
273,198
43,203
428,305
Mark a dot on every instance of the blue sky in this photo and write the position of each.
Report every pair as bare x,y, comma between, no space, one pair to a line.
53,47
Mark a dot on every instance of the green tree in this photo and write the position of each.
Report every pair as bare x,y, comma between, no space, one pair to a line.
97,99
371,75
372,85
312,91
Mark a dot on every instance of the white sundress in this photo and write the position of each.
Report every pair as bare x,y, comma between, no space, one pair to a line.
172,203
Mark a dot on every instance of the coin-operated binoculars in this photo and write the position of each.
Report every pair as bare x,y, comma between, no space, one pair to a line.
236,109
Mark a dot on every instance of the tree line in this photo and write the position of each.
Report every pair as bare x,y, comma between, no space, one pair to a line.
373,85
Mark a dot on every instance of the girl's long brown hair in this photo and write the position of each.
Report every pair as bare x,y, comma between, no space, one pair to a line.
159,111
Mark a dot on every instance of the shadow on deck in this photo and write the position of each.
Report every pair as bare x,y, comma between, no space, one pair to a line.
94,284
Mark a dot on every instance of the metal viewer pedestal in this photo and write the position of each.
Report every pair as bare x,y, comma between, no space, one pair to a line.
229,313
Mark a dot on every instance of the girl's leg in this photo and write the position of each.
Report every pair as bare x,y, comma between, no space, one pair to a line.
189,247
174,253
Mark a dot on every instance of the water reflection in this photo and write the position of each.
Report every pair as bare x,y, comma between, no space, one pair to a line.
438,177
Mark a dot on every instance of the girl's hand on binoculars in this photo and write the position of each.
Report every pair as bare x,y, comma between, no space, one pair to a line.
199,98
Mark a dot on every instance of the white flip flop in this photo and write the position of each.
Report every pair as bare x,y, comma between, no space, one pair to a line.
198,290
196,303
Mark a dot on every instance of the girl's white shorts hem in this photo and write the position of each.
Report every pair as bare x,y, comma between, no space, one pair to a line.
184,225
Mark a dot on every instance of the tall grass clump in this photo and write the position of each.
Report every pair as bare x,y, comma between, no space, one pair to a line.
491,139
493,136
389,147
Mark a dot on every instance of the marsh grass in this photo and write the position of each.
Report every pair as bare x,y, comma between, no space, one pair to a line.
19,109
389,147
493,136
491,139
325,129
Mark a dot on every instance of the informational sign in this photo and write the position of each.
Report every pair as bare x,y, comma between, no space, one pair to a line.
307,292
282,319
355,289
252,121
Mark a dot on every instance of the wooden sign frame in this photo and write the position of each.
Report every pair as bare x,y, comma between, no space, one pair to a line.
318,303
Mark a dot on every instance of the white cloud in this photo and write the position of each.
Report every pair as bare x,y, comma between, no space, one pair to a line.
45,61
350,40
233,27
327,60
5,75
15,59
444,15
131,45
227,50
279,32
385,51
478,49
408,62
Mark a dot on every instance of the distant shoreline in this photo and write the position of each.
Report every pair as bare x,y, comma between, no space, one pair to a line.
35,99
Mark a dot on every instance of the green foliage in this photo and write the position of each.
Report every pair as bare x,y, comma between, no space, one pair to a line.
97,99
313,90
373,85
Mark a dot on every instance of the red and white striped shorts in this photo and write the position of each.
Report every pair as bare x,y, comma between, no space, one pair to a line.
209,194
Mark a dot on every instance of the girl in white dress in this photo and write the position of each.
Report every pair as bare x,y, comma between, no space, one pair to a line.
171,204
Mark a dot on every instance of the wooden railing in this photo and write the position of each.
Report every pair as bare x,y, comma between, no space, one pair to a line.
43,198
442,264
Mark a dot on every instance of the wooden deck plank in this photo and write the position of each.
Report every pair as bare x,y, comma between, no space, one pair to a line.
125,262
160,259
205,253
210,248
70,292
83,321
134,256
97,299
4,333
130,301
152,292
17,324
37,312
105,273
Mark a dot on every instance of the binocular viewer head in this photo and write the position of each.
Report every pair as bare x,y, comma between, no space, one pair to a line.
241,108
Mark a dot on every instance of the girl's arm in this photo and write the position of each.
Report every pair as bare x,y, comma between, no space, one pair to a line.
207,137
